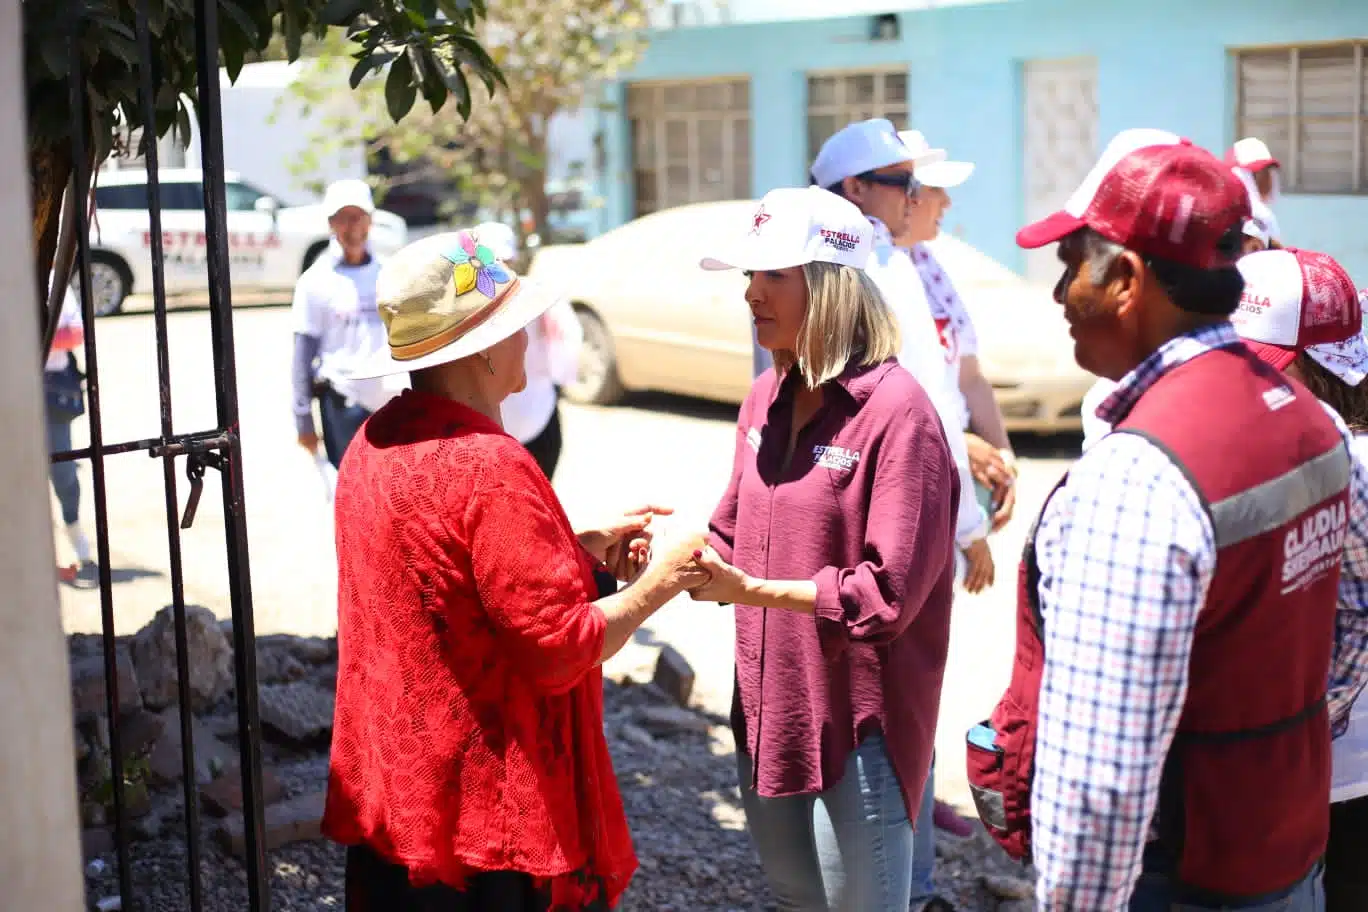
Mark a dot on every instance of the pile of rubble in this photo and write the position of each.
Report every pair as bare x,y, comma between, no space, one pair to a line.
675,765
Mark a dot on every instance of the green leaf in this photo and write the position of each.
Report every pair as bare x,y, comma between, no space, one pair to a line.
434,87
234,55
400,91
341,12
240,20
55,54
294,34
366,64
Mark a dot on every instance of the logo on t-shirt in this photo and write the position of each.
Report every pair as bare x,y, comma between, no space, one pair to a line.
839,459
753,439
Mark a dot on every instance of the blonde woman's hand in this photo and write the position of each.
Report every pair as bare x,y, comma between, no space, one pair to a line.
725,583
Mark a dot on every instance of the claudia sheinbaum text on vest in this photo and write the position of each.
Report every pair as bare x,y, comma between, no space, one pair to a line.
1144,730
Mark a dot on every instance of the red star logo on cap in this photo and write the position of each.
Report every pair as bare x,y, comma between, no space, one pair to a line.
761,216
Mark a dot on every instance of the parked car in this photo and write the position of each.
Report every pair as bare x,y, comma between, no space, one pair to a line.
269,245
654,321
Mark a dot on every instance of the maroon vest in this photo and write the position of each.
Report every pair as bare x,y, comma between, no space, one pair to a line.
1244,803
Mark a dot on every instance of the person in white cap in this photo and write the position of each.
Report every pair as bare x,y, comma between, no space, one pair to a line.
990,451
473,621
553,344
1193,607
834,540
991,459
337,327
868,164
1255,165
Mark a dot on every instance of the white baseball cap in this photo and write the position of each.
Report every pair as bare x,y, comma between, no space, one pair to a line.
793,227
866,145
1251,153
344,193
1299,300
930,166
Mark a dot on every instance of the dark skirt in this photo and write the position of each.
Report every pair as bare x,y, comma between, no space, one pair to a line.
1346,857
376,885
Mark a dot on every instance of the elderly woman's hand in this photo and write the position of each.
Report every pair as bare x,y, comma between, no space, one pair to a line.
613,541
675,562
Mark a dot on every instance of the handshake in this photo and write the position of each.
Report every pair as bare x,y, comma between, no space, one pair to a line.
675,562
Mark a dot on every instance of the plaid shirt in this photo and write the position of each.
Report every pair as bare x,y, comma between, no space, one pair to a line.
1126,553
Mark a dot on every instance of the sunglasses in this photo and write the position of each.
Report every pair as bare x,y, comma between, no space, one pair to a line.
905,181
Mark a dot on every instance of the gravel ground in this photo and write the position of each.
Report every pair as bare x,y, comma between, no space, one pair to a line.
677,775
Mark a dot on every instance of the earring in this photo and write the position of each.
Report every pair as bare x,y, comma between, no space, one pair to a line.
489,363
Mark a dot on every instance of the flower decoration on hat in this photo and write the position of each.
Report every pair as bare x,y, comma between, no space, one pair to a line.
476,267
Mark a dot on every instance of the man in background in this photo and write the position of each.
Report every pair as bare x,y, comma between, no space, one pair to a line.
338,328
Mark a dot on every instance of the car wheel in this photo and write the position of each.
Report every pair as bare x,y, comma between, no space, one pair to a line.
597,382
110,283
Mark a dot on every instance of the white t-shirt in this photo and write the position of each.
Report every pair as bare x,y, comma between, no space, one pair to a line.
553,344
893,271
953,324
335,303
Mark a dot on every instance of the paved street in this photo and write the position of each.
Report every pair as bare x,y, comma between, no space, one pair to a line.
663,450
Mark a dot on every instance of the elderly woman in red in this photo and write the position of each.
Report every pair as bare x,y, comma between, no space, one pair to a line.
469,769
835,542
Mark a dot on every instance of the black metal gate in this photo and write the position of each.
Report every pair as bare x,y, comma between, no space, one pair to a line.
218,449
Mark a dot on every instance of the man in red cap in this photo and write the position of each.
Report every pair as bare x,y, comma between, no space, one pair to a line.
1165,739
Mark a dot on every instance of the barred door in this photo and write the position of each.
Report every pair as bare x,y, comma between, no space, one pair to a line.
690,142
199,455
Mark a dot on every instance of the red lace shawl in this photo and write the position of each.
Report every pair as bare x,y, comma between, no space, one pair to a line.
469,724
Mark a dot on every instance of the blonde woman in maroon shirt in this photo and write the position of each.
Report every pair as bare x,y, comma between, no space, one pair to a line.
834,540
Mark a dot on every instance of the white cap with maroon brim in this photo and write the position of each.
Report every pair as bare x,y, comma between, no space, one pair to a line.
793,227
1252,154
930,166
1299,300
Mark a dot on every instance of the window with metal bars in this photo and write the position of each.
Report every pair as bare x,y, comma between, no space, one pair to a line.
1310,105
690,142
838,99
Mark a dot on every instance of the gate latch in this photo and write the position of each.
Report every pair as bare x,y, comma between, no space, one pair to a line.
195,465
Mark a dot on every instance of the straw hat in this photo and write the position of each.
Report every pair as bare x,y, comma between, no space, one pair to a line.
447,297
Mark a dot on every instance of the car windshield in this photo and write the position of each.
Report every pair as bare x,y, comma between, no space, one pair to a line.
242,196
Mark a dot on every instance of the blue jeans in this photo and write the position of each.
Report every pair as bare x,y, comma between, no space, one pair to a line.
848,849
1154,893
340,423
65,481
924,844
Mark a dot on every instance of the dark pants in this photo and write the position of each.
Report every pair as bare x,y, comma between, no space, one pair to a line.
1346,857
1157,893
65,480
546,446
376,885
340,422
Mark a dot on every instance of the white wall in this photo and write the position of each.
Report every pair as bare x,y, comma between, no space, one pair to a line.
40,856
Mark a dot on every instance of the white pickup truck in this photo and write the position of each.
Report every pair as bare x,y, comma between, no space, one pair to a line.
269,245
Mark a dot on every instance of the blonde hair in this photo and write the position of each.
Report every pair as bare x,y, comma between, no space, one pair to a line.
847,320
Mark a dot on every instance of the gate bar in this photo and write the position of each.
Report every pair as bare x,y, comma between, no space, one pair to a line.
189,783
81,173
209,110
